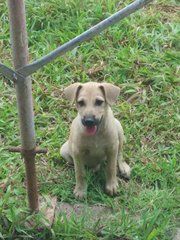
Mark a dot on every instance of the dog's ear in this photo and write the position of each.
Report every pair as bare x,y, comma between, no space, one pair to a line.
110,92
72,91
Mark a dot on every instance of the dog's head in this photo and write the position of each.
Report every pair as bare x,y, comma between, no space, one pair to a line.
92,100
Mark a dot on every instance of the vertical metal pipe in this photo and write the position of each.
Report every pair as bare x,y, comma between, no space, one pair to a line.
24,96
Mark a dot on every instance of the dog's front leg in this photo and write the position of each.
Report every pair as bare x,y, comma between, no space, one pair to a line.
81,185
111,172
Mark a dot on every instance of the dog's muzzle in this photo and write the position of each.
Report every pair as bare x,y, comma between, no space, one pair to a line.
90,121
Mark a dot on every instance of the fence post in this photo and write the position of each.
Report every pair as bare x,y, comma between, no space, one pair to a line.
24,97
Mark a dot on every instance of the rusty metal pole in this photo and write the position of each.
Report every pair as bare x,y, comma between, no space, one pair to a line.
24,97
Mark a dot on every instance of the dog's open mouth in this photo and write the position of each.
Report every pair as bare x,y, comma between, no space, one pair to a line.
91,125
91,130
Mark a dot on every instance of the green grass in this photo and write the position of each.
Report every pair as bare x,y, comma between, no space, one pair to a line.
140,55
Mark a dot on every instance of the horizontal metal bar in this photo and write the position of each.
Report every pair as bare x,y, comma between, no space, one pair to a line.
10,73
20,150
31,68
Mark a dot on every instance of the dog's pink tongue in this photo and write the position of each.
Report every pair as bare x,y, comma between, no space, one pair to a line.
90,131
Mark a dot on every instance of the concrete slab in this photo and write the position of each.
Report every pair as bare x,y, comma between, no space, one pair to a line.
47,207
94,213
177,235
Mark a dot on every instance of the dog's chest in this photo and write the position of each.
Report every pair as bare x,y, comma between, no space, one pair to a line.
93,152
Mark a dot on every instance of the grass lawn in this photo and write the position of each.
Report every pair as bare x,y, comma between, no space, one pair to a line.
140,55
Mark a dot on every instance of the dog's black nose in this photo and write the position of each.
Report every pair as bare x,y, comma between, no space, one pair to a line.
89,121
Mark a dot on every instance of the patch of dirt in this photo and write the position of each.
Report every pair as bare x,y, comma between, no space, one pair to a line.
96,70
3,187
166,8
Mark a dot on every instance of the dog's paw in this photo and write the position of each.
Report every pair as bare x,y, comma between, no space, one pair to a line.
80,192
111,187
125,170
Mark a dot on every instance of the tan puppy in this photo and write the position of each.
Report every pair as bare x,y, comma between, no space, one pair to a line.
95,135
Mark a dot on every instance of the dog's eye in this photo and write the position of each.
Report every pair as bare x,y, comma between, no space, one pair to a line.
98,102
81,103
